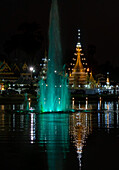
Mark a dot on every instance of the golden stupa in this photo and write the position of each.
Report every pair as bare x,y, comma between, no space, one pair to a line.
78,77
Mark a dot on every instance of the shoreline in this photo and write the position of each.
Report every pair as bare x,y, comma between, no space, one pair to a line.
95,96
19,98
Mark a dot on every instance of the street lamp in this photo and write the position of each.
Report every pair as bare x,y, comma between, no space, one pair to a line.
31,69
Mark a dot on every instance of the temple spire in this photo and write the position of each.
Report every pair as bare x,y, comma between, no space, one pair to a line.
78,35
78,61
78,64
78,76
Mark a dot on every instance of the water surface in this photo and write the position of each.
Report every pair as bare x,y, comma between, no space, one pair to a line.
85,139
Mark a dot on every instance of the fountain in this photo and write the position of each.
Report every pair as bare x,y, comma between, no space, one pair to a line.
54,95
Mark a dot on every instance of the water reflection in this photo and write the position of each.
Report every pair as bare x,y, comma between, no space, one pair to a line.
54,136
108,115
82,105
86,106
100,104
2,121
73,104
14,107
54,133
81,127
2,107
33,127
13,122
21,121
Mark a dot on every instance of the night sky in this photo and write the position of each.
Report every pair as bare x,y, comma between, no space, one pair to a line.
98,21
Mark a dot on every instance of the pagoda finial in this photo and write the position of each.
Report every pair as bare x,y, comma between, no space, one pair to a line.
78,34
78,64
78,43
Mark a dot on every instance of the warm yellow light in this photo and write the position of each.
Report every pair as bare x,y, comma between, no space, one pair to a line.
107,80
3,88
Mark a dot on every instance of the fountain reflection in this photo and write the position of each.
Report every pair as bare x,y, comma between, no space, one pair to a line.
54,137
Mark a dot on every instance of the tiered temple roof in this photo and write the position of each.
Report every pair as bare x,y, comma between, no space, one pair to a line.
78,77
13,72
7,72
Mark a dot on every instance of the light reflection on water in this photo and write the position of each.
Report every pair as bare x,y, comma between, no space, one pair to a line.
55,132
54,135
81,127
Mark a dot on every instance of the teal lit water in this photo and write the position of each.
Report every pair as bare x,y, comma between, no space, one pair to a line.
81,140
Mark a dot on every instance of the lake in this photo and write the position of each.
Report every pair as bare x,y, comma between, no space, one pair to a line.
87,138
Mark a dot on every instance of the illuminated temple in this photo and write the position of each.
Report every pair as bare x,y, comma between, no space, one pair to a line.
78,77
13,74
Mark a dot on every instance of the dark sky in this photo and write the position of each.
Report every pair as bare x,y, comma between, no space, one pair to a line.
97,19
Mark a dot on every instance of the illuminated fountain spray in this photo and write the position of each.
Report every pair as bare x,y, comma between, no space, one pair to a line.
54,94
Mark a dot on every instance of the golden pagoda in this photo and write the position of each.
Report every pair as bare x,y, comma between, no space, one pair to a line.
91,79
92,82
78,77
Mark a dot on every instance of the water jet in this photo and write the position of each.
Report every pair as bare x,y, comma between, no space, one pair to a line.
54,94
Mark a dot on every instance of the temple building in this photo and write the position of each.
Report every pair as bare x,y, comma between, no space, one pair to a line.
82,56
14,74
92,82
25,76
78,77
8,73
